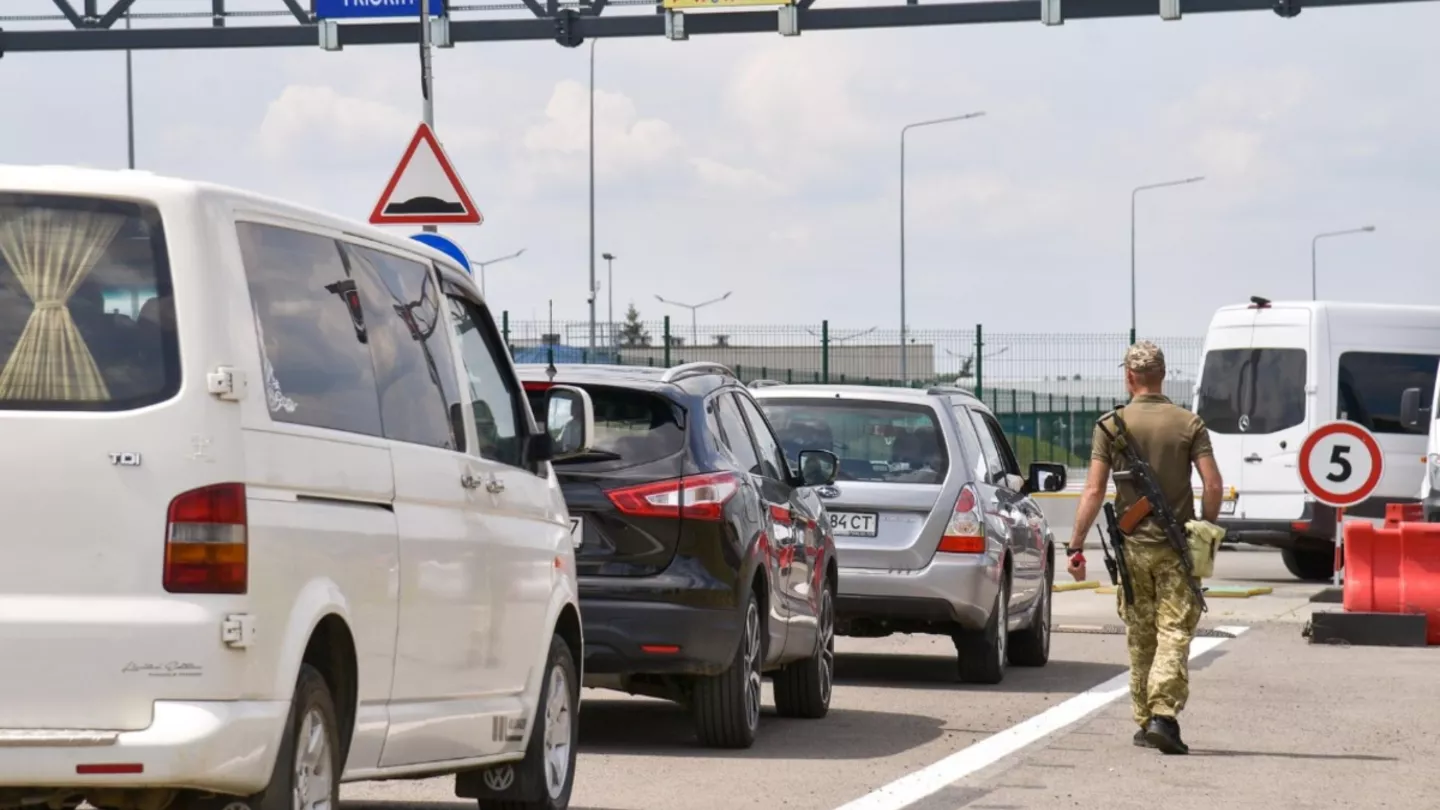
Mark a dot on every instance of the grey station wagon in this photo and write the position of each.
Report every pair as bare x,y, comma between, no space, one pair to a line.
935,529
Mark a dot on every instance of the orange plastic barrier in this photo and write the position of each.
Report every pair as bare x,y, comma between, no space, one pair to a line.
1395,568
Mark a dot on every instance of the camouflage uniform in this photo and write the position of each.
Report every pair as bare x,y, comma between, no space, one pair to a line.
1162,622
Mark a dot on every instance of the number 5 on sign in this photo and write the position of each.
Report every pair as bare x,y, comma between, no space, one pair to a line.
1341,463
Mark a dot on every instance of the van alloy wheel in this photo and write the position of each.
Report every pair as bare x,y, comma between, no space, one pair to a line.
558,718
314,763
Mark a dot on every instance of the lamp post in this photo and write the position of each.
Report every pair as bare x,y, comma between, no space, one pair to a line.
610,294
694,330
592,196
1318,237
1133,194
483,265
129,100
904,348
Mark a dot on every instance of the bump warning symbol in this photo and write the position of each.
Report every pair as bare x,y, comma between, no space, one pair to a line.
424,189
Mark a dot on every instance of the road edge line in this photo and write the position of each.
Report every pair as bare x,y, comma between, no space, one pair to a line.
931,779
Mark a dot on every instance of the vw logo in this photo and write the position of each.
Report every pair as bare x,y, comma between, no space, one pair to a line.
828,491
1244,422
499,780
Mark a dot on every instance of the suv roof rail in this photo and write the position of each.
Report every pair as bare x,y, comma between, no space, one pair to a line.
685,370
950,389
764,383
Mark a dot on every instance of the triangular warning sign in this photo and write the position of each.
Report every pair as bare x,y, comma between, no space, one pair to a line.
425,190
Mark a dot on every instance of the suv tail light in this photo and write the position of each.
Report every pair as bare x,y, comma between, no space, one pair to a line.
965,533
206,541
697,497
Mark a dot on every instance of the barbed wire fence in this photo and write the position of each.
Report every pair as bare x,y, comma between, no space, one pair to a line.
1046,389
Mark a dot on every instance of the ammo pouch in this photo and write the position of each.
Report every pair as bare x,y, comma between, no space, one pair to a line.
1204,540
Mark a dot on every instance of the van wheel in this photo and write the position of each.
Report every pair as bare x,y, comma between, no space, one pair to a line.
982,653
727,706
307,767
548,769
1311,566
802,688
1031,647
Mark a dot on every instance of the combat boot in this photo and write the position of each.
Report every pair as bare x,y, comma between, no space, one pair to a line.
1164,733
1140,740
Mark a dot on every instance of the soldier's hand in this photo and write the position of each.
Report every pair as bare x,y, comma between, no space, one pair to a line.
1077,567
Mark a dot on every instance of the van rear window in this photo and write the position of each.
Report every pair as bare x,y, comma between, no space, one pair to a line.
87,320
1256,391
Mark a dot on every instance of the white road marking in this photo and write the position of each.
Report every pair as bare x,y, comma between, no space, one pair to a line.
913,787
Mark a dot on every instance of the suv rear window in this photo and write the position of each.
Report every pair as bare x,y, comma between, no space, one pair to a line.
1252,390
636,426
875,441
87,319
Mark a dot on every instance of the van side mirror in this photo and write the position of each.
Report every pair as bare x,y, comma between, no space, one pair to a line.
1410,408
1045,477
818,467
569,423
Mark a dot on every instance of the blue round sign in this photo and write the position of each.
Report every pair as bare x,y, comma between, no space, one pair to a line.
445,245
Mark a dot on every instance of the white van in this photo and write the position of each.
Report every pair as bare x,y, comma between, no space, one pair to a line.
1416,416
279,516
1273,372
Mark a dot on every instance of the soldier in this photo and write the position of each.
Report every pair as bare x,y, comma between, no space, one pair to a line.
1161,623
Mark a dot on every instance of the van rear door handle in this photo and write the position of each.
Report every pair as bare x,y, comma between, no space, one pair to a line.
469,480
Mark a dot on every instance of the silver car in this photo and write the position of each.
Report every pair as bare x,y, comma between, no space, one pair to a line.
934,525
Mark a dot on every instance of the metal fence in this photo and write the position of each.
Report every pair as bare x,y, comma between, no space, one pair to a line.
1046,389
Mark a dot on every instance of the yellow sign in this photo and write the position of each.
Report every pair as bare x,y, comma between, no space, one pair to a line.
680,4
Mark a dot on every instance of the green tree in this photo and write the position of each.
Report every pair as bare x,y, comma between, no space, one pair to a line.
632,332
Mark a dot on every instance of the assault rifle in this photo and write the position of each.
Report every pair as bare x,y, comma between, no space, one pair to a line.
1117,566
1152,501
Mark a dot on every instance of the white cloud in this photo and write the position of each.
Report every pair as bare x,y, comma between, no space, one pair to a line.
737,181
623,140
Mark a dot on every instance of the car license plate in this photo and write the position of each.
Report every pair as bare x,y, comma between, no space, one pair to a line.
577,531
854,524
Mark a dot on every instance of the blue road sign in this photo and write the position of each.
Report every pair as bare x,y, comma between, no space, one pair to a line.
446,246
372,9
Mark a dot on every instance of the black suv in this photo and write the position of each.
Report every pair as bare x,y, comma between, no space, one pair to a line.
704,560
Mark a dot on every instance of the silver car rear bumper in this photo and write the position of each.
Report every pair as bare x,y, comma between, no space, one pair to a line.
955,589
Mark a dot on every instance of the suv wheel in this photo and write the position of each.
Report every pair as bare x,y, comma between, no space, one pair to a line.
1031,647
727,706
802,688
982,653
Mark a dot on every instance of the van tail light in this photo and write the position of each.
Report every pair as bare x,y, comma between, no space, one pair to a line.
965,533
696,497
206,541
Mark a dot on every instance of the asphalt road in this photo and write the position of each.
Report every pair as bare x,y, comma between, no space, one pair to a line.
1274,721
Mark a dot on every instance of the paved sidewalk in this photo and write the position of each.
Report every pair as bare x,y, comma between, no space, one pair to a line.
1273,723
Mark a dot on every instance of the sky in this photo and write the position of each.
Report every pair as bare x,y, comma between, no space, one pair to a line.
768,166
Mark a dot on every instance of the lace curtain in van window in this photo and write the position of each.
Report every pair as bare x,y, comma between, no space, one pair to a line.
50,252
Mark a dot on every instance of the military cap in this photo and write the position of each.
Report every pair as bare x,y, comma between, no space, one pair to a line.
1144,358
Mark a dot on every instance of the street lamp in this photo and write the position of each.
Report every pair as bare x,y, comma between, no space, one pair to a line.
904,348
610,292
592,196
694,330
1318,237
483,265
1133,194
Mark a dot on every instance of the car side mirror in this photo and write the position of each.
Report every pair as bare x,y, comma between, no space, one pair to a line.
569,422
818,467
1410,408
1045,477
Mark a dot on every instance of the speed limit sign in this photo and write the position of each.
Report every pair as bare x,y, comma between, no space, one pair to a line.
1341,463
